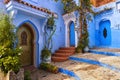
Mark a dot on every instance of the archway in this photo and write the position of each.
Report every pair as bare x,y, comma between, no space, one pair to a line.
105,33
26,39
72,34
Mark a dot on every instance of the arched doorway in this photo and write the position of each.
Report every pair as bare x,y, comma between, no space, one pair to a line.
72,34
105,33
25,40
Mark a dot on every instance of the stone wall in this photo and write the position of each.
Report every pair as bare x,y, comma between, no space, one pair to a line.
12,76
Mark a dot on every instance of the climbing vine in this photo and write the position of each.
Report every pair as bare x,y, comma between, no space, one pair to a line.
84,8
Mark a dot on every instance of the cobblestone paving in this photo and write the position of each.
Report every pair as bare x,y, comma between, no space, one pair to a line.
43,75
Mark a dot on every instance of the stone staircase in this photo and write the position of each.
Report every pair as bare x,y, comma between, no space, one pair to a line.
63,54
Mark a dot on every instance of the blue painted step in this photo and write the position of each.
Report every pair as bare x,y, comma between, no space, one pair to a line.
104,53
94,62
70,73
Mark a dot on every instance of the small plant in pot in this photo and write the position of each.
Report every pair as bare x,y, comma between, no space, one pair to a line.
46,55
50,22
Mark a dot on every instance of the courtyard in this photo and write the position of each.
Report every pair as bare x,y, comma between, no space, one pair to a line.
102,67
79,39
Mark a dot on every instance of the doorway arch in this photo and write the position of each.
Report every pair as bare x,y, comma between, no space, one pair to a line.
28,32
26,37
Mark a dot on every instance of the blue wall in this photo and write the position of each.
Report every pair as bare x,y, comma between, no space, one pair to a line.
57,8
91,31
113,16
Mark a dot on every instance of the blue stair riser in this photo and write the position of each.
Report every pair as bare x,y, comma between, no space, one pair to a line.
70,73
104,53
94,62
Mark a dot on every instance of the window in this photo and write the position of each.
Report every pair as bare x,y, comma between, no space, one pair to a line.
23,38
105,32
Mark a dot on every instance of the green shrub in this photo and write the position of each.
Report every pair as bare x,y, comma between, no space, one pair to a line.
27,75
9,52
49,67
78,50
45,53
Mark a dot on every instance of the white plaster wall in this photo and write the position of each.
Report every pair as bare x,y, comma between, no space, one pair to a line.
67,20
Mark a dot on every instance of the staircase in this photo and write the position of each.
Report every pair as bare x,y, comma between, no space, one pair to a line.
63,54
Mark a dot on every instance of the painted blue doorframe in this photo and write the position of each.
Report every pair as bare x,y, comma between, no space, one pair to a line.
72,34
105,33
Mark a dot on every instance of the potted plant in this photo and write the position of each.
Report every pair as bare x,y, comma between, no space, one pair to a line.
46,55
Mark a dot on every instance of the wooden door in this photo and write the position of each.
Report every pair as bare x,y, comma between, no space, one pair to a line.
25,40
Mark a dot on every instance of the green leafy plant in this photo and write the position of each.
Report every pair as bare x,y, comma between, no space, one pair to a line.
69,6
78,49
27,75
9,52
50,22
49,67
45,53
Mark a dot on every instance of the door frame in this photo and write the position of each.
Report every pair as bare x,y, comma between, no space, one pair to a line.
67,31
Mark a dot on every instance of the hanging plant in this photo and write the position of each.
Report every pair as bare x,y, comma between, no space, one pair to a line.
50,22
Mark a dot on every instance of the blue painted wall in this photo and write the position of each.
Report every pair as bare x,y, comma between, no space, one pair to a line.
58,37
113,17
91,31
